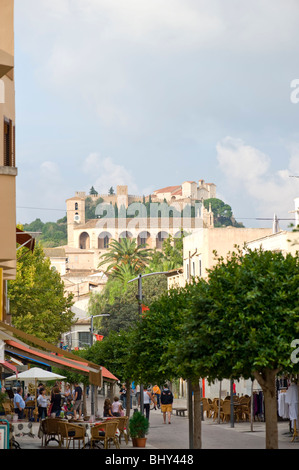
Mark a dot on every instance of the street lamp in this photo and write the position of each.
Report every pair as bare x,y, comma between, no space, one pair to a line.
139,297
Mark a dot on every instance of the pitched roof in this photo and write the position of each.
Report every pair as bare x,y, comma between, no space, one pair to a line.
168,189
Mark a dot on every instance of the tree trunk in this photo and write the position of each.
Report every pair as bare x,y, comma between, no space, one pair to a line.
267,382
84,407
197,415
128,407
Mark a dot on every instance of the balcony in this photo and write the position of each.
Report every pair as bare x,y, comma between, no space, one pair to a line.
6,63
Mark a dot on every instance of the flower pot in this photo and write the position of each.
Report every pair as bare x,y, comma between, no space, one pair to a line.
138,441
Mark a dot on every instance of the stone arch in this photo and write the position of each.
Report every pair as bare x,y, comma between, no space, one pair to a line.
143,238
161,236
125,234
84,241
104,240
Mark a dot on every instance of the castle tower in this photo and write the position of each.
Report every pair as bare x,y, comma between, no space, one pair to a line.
122,196
75,211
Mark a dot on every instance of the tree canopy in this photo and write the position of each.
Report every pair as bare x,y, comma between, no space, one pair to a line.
37,302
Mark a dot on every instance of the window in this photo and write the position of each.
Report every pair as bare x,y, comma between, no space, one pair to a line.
76,206
199,268
9,143
84,338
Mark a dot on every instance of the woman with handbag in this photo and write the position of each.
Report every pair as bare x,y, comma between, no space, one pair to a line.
56,401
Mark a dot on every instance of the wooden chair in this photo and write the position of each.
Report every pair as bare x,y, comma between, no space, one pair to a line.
123,428
206,407
71,432
215,408
50,430
225,412
96,432
110,428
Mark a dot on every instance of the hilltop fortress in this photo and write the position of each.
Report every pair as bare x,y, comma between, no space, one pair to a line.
148,219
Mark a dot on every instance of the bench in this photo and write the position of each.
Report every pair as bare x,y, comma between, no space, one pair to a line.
179,411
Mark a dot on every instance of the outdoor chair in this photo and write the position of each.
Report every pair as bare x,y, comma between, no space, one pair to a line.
226,412
50,430
206,407
123,429
110,428
71,432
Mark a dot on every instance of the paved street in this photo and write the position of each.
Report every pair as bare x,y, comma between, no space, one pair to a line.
176,436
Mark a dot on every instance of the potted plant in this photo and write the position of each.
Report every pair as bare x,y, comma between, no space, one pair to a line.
138,428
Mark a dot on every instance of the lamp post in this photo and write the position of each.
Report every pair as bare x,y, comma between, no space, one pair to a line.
139,297
91,343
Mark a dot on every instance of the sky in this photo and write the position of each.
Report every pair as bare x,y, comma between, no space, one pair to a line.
152,93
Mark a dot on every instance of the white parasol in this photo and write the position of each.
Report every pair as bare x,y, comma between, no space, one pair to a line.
37,374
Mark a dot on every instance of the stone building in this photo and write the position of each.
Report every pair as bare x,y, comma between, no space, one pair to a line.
132,220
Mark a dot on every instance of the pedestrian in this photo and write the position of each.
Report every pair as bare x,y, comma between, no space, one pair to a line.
42,402
107,409
77,400
67,392
56,401
157,393
147,398
123,395
166,403
115,407
19,403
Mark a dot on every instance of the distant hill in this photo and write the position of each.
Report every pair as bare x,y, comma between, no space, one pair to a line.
52,233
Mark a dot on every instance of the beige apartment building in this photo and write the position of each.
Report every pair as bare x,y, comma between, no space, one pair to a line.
8,170
200,246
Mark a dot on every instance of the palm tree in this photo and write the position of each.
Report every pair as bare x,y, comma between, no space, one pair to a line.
125,258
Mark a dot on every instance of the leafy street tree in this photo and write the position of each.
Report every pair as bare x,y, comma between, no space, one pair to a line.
115,352
119,301
241,323
37,301
125,258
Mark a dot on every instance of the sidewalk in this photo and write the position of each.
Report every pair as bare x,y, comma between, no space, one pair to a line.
176,435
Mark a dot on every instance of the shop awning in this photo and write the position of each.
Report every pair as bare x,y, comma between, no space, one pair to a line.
25,239
50,354
9,366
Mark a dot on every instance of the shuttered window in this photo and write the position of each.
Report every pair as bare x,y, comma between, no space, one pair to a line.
9,143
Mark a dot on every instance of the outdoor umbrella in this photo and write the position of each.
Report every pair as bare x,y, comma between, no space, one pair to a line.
37,374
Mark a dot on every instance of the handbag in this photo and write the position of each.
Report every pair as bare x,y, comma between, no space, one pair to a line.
50,409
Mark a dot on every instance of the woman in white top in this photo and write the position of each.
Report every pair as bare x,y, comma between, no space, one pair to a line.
115,408
42,402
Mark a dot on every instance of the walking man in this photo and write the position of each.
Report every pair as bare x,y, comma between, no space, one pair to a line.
147,398
166,403
77,400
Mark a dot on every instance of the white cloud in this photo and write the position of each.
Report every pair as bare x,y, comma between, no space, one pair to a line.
248,171
102,173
